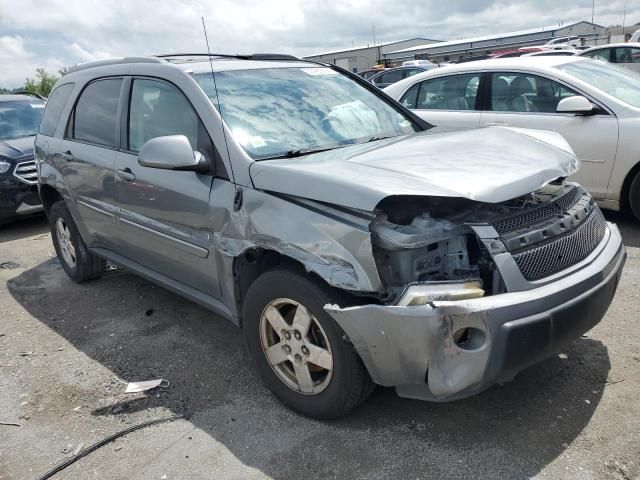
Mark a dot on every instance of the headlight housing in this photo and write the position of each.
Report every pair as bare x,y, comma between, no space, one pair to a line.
4,166
422,294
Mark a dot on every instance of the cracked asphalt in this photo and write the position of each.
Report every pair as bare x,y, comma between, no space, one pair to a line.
65,350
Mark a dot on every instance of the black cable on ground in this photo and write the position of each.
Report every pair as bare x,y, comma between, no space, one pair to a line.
103,442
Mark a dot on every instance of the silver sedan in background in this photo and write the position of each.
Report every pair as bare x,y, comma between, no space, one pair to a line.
594,105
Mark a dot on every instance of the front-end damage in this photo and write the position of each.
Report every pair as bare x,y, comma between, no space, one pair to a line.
462,311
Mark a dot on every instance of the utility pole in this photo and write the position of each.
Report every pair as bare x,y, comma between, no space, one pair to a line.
593,8
373,30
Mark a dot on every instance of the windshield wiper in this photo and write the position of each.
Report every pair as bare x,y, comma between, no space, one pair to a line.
300,152
376,138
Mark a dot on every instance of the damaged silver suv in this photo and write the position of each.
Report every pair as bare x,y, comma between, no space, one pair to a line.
353,243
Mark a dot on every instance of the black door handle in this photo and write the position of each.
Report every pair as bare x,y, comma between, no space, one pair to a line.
68,156
126,174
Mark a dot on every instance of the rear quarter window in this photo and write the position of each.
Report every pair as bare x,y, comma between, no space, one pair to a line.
55,104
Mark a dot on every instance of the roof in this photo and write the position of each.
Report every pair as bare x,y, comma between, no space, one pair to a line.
612,45
363,47
518,33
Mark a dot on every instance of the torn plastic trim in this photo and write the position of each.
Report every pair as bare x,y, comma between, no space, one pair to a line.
400,345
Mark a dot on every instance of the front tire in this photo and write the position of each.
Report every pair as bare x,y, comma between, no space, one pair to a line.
76,260
634,196
300,352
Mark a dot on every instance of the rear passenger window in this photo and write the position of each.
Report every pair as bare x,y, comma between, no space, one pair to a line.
56,102
96,112
456,92
627,55
159,109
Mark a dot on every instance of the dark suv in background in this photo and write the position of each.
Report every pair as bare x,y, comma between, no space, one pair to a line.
19,119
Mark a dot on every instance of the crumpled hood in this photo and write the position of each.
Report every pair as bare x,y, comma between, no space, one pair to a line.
492,165
16,148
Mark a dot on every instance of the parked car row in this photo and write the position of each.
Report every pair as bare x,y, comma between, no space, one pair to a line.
353,242
595,107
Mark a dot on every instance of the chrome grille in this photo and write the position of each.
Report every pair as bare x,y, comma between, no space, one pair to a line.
27,172
538,214
553,257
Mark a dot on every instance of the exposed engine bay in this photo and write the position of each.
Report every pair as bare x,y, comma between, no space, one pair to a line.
431,240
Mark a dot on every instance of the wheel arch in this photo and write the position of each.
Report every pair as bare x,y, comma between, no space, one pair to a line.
626,187
49,195
255,261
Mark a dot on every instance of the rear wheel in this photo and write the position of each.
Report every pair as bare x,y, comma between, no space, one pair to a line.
300,352
76,260
634,196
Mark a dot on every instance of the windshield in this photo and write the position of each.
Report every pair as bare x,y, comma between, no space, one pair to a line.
20,118
275,112
618,82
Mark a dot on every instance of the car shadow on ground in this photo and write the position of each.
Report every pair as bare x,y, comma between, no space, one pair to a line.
629,227
139,331
23,228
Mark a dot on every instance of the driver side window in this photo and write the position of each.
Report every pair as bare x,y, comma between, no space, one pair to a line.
159,109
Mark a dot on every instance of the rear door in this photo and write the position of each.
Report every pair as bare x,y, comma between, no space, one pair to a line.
387,78
525,100
165,221
448,101
87,157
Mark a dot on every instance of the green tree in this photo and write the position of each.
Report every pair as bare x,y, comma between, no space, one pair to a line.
42,84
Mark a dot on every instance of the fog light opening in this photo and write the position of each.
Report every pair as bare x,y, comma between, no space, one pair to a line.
469,338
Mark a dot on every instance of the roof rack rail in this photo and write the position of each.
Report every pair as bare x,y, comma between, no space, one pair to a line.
113,61
252,56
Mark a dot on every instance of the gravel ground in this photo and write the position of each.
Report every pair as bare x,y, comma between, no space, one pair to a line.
65,350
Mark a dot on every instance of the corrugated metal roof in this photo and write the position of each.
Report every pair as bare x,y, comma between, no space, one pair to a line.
489,37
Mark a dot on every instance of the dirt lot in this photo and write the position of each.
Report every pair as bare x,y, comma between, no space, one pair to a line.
66,348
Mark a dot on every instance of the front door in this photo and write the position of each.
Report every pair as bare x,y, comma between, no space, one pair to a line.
530,101
165,222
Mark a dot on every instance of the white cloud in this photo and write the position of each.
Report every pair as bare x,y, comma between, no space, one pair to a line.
18,62
65,32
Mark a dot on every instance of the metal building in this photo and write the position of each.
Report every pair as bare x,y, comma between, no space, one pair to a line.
455,50
362,58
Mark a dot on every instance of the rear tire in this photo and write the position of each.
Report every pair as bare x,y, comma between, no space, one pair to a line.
76,260
634,196
328,389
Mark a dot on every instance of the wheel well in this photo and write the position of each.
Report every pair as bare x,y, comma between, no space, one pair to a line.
626,186
49,196
253,263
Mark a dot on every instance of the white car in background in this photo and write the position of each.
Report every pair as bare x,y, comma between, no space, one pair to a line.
622,54
595,106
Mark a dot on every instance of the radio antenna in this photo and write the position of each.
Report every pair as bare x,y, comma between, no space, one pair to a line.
213,75
215,88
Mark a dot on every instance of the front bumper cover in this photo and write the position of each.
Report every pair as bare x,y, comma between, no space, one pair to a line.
17,198
413,348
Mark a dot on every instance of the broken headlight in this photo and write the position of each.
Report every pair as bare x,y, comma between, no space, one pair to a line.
423,294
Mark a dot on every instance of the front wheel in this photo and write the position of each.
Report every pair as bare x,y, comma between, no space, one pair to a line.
634,196
300,352
76,260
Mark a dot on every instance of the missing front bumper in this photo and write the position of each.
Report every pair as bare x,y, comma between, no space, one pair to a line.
415,349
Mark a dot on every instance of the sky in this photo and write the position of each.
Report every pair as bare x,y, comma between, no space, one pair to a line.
58,33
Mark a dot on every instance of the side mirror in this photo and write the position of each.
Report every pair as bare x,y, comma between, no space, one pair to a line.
576,104
172,152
